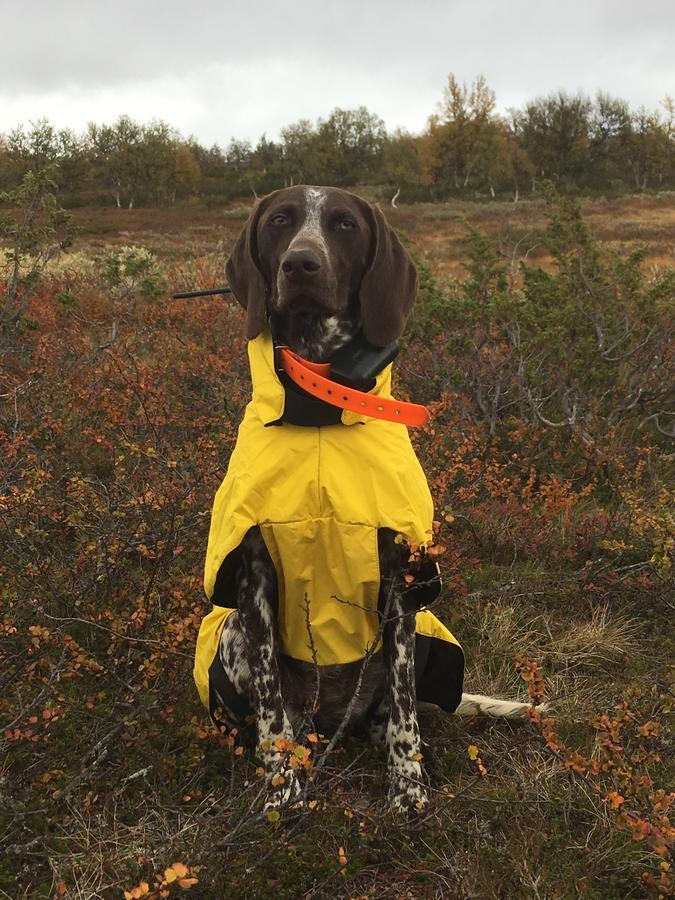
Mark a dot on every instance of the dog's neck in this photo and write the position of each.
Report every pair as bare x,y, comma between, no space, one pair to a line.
313,336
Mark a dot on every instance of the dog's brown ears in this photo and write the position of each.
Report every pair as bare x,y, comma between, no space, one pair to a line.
389,285
387,290
246,279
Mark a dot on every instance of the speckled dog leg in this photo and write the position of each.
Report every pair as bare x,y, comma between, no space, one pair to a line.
407,791
256,598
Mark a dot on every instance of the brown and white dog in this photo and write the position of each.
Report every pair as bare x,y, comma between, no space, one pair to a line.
323,264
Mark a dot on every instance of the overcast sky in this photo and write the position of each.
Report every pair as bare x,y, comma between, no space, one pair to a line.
232,69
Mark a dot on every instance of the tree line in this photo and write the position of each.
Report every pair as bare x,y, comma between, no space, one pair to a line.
467,149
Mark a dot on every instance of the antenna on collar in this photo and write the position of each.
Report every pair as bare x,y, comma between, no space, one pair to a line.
185,295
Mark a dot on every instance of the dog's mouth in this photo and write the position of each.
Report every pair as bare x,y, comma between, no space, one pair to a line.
302,304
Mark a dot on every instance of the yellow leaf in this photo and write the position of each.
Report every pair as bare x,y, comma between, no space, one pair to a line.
273,815
473,751
187,883
180,869
169,875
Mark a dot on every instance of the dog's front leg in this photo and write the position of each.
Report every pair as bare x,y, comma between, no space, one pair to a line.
257,603
407,791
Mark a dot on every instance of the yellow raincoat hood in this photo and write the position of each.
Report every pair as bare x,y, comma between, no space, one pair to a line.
319,495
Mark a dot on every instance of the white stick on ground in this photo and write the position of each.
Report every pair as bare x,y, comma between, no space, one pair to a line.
479,704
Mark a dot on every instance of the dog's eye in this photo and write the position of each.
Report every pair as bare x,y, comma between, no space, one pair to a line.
279,219
346,224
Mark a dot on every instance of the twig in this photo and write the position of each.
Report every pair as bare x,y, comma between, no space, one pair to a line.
124,637
342,727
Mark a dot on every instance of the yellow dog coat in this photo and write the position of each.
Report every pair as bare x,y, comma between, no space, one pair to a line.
319,495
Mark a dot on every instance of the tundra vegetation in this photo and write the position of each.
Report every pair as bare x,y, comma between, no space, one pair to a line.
545,357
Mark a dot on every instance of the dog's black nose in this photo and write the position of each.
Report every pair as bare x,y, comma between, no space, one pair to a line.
300,263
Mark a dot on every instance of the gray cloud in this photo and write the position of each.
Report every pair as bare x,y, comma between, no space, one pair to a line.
238,69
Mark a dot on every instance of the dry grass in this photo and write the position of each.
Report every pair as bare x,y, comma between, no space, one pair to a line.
604,640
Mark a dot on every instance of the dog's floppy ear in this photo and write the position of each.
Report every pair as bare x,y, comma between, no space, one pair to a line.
389,285
245,278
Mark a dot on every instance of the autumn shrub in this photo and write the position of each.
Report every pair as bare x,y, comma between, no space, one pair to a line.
558,529
586,347
33,229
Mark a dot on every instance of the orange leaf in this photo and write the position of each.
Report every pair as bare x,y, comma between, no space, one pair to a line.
436,550
615,799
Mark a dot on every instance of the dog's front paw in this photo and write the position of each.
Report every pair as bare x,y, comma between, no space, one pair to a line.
283,781
407,795
284,787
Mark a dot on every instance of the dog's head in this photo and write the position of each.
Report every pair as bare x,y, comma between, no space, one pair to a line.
322,250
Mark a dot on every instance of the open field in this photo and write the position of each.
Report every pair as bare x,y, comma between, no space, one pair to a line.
558,580
433,230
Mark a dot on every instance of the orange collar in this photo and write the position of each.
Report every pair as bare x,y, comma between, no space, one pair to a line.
313,378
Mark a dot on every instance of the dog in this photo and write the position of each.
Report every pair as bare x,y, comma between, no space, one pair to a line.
316,562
